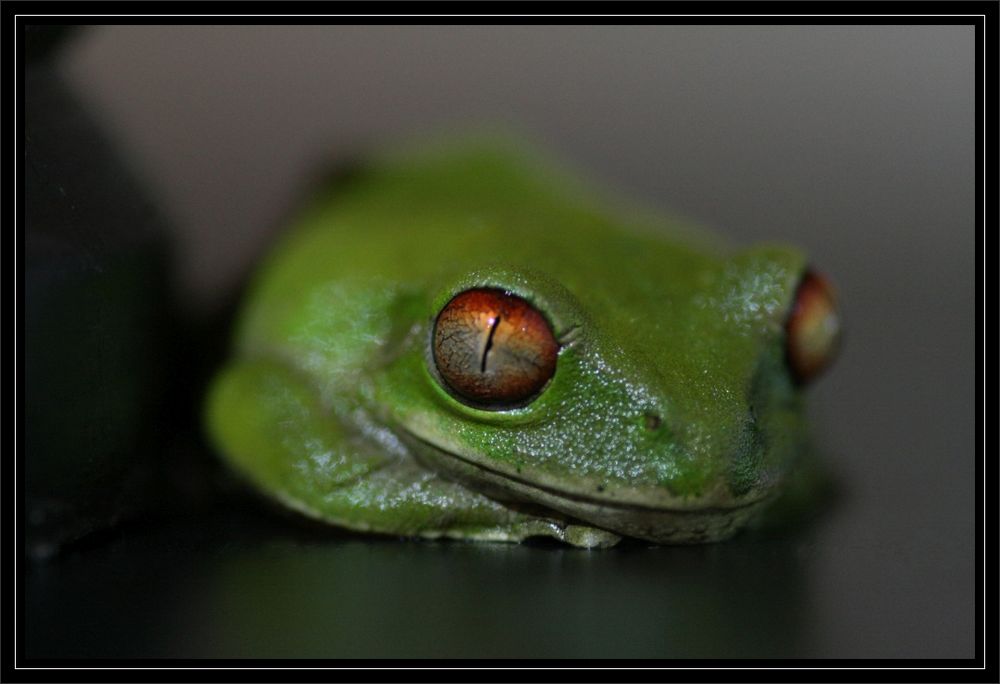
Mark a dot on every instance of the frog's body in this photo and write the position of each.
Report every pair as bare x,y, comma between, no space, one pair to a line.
671,415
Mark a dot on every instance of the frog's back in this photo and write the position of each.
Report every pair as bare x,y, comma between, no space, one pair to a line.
412,220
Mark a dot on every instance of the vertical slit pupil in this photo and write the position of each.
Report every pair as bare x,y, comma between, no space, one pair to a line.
489,343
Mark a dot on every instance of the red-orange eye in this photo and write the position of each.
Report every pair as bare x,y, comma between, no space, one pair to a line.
493,348
812,332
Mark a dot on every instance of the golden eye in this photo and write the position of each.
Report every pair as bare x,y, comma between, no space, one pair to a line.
812,331
493,349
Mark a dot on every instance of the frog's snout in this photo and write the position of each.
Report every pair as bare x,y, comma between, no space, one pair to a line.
708,452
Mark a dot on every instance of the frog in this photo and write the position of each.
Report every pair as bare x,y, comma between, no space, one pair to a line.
466,339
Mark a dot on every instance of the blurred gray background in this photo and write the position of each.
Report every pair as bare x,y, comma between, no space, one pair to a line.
856,143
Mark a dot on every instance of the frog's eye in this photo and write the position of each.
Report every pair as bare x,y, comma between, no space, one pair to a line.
812,331
493,349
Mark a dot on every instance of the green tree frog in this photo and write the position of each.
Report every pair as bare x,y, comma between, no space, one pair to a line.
464,341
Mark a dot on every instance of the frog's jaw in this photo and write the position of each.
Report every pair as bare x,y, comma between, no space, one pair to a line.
682,523
751,458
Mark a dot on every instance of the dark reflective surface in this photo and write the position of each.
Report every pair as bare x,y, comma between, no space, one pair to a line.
229,575
240,580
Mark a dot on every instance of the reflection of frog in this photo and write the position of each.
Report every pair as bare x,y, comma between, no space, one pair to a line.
463,343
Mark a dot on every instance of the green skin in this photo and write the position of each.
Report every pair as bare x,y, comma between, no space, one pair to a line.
671,416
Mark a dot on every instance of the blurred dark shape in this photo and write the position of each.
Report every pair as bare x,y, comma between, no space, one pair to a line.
42,42
97,331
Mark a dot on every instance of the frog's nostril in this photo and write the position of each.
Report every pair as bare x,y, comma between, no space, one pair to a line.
653,421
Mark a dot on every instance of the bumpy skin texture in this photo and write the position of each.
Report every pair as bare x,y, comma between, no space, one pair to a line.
671,415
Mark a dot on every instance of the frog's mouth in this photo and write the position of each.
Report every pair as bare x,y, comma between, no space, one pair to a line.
664,519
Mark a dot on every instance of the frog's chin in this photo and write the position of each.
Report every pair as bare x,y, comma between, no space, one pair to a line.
663,519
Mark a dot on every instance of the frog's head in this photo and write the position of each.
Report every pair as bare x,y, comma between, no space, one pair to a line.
661,401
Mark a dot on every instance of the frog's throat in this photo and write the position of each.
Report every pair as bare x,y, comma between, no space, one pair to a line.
682,522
